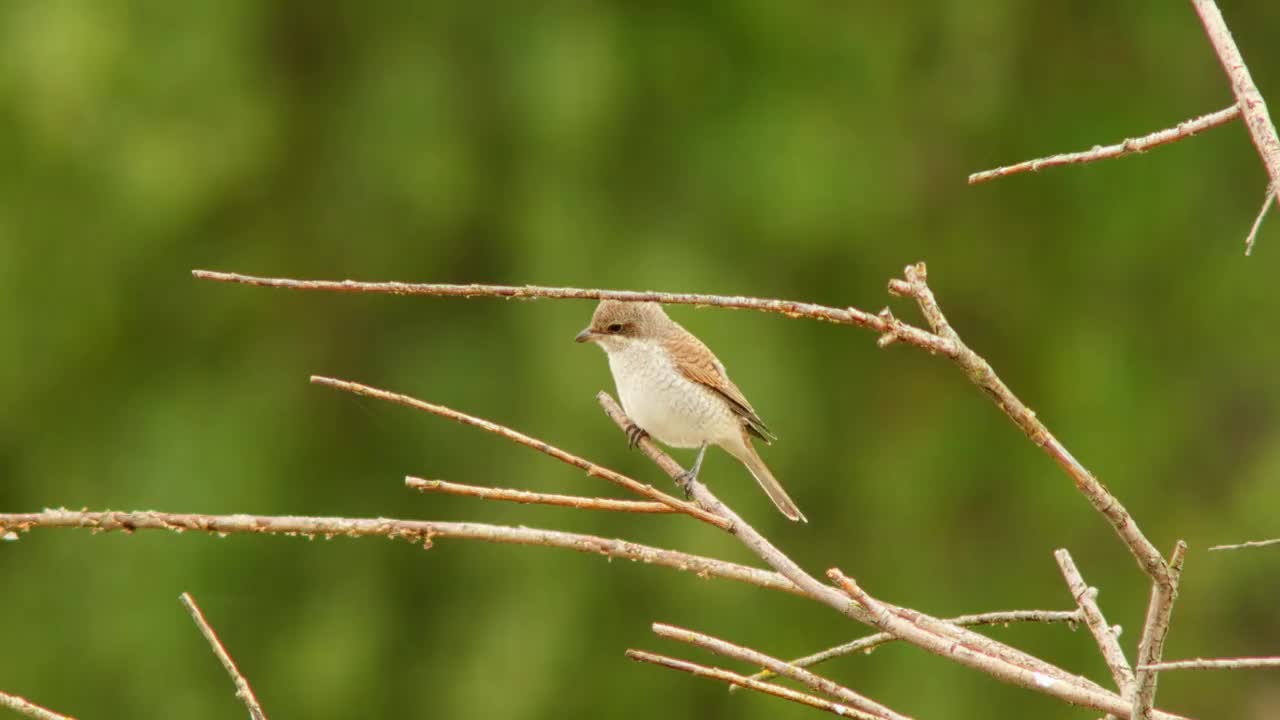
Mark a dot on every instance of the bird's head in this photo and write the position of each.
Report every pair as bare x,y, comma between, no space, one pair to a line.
616,324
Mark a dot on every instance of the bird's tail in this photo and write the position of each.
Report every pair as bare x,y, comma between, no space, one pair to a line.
749,457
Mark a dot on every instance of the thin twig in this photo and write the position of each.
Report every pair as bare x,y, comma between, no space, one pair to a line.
734,678
790,308
26,707
980,373
1184,129
1020,671
1154,631
422,532
1250,101
520,438
536,498
1239,663
1108,638
1257,221
755,657
243,691
871,642
1250,544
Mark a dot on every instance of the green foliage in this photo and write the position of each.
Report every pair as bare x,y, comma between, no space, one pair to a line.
802,150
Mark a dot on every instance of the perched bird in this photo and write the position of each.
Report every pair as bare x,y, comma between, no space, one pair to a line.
675,389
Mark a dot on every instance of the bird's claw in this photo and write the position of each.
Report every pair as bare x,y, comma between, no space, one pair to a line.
635,434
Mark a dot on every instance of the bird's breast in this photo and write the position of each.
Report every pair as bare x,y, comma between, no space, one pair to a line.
668,405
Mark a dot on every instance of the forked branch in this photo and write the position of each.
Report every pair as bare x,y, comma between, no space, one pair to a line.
869,643
815,682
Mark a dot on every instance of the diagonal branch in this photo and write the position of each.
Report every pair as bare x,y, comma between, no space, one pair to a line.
980,373
24,706
1182,130
520,438
800,675
1108,638
871,642
414,531
536,498
243,691
735,679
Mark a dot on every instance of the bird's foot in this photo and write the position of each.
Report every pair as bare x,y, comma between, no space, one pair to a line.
635,434
685,480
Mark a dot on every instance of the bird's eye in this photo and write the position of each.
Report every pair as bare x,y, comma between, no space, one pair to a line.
615,328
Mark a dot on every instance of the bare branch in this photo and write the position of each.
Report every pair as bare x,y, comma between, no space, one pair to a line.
520,438
1250,544
755,657
980,373
1250,101
28,708
1240,663
790,308
536,498
243,691
1108,638
1020,671
1184,129
415,531
886,619
871,642
734,678
1154,631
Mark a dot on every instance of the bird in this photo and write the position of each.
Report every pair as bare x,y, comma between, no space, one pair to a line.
676,390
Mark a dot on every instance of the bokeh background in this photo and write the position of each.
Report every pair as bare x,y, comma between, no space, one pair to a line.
804,150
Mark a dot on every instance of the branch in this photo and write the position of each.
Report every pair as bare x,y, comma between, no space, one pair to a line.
980,373
1184,129
535,498
891,331
1108,638
414,531
1240,663
1008,664
871,642
1154,631
790,308
591,468
886,619
1250,544
736,679
755,657
1249,100
243,691
28,708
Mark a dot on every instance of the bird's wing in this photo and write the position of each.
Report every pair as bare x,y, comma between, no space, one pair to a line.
697,363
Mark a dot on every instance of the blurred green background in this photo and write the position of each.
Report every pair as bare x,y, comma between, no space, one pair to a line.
802,150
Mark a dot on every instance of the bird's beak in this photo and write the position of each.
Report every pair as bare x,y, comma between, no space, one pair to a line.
585,336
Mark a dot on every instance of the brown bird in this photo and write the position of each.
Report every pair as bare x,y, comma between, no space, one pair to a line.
675,389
